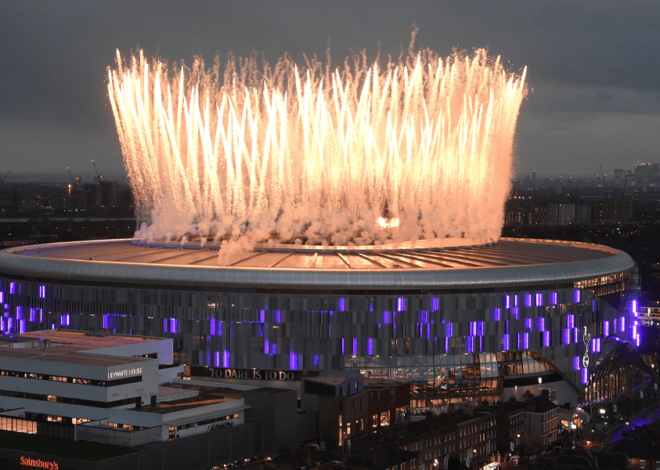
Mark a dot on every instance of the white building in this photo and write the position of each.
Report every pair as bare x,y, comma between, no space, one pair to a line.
115,389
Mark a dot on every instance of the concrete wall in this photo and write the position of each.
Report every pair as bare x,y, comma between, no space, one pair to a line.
277,413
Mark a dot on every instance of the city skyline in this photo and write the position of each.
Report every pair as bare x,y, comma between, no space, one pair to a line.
594,101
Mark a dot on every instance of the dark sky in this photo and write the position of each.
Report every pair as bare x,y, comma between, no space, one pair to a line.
594,66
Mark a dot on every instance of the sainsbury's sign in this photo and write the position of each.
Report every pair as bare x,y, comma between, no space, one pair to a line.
37,463
120,374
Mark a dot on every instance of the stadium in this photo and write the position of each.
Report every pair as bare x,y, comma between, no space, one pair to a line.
457,318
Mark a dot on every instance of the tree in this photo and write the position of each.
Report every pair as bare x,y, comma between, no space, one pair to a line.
535,445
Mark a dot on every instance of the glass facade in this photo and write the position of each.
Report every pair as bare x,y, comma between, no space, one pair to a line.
448,344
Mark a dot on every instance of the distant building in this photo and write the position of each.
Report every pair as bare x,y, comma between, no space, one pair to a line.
612,210
619,178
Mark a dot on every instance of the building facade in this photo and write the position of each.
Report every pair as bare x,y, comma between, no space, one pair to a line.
462,320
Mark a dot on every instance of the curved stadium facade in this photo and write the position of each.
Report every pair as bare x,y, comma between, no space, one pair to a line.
457,320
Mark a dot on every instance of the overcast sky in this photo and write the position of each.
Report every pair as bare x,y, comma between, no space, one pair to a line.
593,66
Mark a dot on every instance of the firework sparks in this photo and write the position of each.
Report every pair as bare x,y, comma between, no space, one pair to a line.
422,146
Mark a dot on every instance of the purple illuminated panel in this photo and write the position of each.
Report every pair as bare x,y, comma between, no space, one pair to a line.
2,297
212,325
546,339
105,322
42,292
226,359
623,324
575,335
262,316
217,358
21,326
266,345
342,347
174,325
634,307
528,300
585,376
576,362
553,298
539,299
33,315
541,324
570,321
515,300
606,328
293,361
567,336
528,323
341,304
449,328
12,288
273,348
614,324
593,305
435,304
355,346
507,301
505,342
278,316
315,361
576,296
525,340
497,314
370,346
19,312
64,320
469,344
400,304
515,312
386,317
371,308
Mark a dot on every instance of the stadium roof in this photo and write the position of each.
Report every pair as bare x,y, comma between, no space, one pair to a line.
416,266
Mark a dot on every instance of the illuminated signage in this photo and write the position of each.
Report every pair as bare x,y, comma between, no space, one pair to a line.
253,374
249,374
28,462
124,373
586,338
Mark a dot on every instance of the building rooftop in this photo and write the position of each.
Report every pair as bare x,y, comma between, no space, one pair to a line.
86,340
205,396
74,347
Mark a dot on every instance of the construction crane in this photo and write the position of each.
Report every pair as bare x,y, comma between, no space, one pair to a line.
99,174
73,181
2,181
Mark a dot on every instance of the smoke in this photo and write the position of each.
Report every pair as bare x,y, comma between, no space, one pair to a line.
244,152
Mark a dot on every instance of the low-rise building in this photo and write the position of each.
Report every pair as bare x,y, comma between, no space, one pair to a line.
350,406
511,424
541,418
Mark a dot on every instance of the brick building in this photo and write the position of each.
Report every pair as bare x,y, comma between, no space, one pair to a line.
511,424
347,407
463,435
541,417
